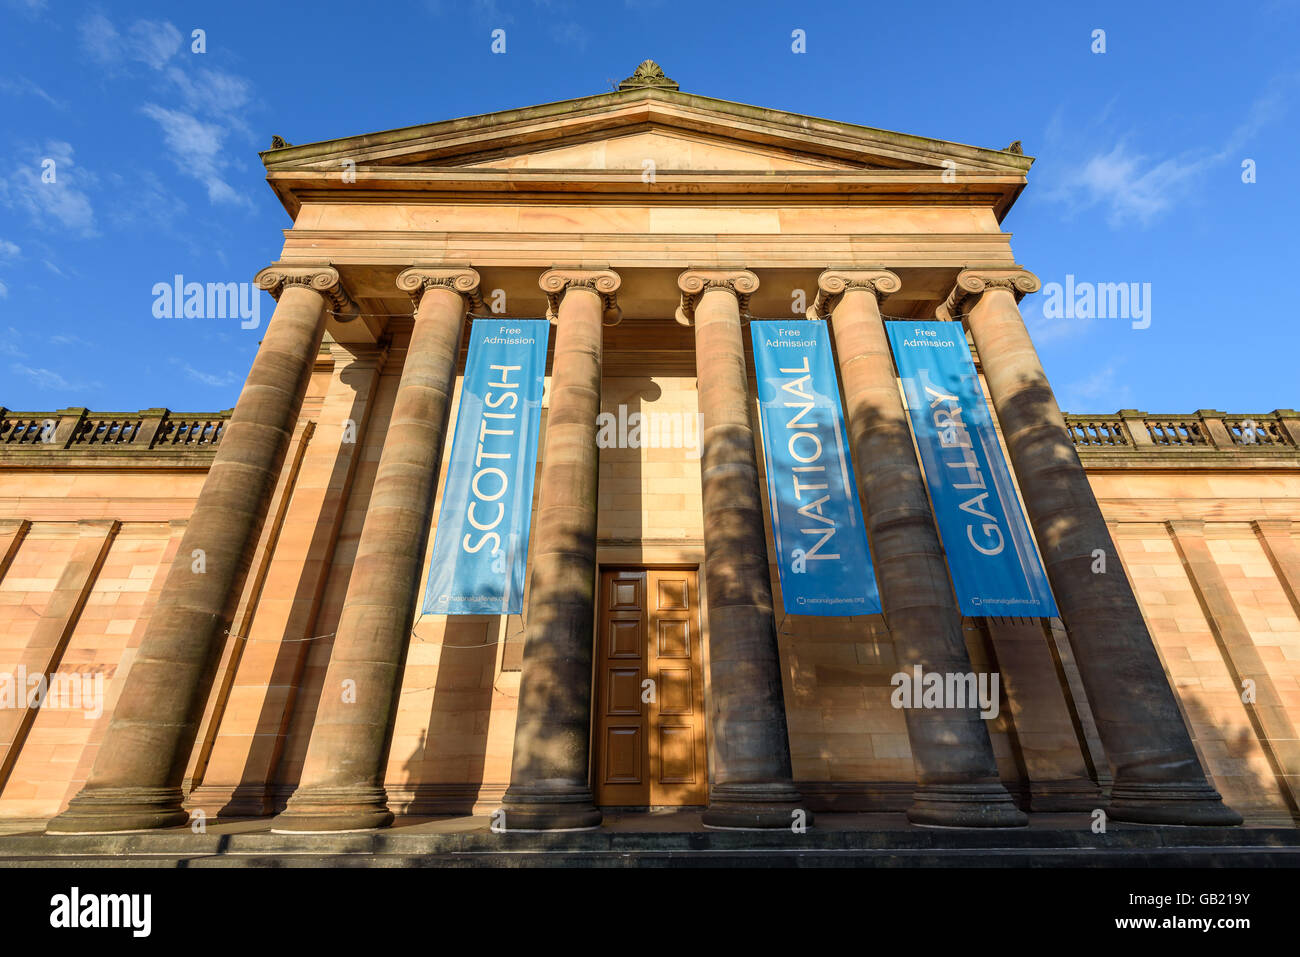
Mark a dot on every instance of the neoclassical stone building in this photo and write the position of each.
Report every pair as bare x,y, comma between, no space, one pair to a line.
248,582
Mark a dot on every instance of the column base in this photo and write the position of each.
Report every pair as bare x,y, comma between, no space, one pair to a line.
532,808
331,810
764,806
965,805
104,810
1188,805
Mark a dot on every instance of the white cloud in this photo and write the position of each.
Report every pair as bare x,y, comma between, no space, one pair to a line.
207,378
151,42
142,200
196,150
8,250
63,203
22,85
48,379
100,38
570,35
1133,186
1044,331
212,91
1099,392
489,10
67,340
31,7
196,106
7,347
4,291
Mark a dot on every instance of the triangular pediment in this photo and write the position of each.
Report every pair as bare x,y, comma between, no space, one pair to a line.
662,150
607,143
619,131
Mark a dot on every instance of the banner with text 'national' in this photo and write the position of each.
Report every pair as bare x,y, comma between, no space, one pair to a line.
821,542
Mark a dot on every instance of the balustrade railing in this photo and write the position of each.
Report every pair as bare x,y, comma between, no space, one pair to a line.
1206,429
81,429
162,429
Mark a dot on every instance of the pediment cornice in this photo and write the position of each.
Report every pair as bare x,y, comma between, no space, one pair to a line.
458,141
822,155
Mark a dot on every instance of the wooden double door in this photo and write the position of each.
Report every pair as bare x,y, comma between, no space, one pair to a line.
649,727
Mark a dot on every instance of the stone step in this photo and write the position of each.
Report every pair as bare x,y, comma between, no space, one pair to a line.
603,847
1125,857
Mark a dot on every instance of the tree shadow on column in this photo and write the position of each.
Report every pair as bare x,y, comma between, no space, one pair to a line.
253,794
301,710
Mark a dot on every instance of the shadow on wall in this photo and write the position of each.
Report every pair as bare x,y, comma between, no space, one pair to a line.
1240,768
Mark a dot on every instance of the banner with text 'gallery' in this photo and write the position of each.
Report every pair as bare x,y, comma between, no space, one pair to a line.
994,563
821,542
481,544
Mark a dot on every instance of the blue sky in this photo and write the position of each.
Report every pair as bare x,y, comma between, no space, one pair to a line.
1138,176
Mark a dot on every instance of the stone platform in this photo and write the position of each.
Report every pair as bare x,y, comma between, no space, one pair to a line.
662,839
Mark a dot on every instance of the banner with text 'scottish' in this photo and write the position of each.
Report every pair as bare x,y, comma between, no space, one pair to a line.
481,544
821,542
994,564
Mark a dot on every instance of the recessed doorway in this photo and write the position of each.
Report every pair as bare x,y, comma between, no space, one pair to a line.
649,728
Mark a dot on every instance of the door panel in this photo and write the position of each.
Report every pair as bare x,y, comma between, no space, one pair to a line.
623,749
649,753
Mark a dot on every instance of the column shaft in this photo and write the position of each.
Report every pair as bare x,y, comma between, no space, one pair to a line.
342,785
1158,778
549,775
957,774
135,783
752,781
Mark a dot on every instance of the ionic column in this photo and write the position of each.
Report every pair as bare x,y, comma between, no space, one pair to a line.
549,775
342,784
752,785
1158,779
136,780
956,773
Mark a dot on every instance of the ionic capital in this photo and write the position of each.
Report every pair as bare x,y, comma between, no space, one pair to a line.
975,281
694,283
322,279
557,281
834,282
462,280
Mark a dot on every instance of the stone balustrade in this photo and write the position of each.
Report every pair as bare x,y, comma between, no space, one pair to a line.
81,430
157,430
1206,429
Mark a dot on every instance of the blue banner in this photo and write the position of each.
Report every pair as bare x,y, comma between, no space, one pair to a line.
821,543
481,545
995,566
